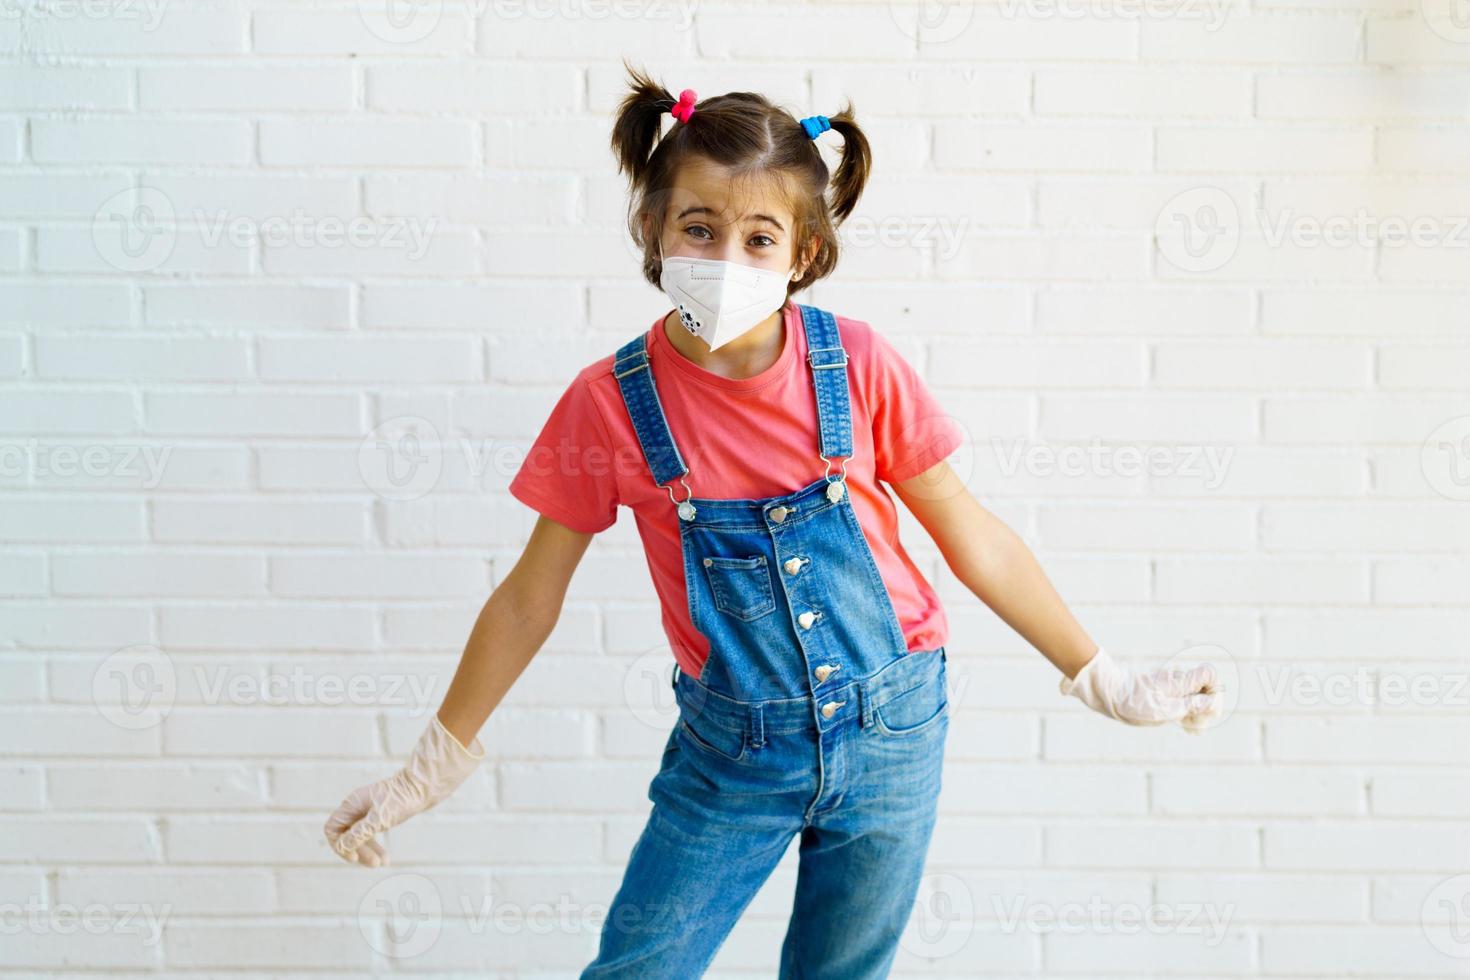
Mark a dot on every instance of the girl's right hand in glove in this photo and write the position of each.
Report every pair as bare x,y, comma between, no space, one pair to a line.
438,765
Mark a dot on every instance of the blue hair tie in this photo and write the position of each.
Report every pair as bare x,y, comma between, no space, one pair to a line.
815,126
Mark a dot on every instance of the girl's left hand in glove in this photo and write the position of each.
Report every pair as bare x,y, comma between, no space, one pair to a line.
1192,697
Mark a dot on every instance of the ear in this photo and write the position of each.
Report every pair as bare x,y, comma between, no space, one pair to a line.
806,255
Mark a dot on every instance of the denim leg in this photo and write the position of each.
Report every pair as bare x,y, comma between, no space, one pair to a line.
861,864
704,853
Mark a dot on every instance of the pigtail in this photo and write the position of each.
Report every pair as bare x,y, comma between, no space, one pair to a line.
853,170
636,126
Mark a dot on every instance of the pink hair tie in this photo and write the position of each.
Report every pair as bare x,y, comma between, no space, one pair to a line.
684,108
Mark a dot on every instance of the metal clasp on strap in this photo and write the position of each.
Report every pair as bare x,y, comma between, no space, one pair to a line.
820,362
828,473
685,509
835,488
641,362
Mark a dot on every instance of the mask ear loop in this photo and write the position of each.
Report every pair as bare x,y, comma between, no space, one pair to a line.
684,507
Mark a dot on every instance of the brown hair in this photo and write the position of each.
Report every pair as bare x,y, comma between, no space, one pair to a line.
746,133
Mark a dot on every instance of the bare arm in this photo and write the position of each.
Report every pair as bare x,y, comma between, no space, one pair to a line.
515,621
512,626
995,564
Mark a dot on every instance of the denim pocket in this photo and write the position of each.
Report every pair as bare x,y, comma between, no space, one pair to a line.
741,586
913,711
721,742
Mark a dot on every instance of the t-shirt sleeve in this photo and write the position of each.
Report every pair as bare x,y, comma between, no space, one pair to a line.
911,430
568,473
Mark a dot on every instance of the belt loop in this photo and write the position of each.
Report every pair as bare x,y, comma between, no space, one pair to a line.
757,725
865,700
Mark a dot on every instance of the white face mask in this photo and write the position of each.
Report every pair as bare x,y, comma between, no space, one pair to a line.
718,301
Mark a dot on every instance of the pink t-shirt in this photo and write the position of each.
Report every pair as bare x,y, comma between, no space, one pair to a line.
743,438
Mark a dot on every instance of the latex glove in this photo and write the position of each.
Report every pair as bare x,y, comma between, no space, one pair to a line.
438,765
1193,697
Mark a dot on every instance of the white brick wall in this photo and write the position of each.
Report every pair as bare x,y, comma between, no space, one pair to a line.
1134,246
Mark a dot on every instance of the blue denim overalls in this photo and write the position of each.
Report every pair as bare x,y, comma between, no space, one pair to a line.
809,717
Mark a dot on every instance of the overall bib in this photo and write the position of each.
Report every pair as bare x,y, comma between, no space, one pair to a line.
809,717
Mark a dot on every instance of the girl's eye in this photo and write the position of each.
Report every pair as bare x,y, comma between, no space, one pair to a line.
701,233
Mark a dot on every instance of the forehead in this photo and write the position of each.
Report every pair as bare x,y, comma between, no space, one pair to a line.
719,195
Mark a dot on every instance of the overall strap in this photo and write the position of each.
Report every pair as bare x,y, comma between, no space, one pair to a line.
635,379
828,360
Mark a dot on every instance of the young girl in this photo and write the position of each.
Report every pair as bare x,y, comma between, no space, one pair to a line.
750,436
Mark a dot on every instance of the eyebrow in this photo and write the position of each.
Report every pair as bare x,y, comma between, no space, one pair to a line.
704,210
